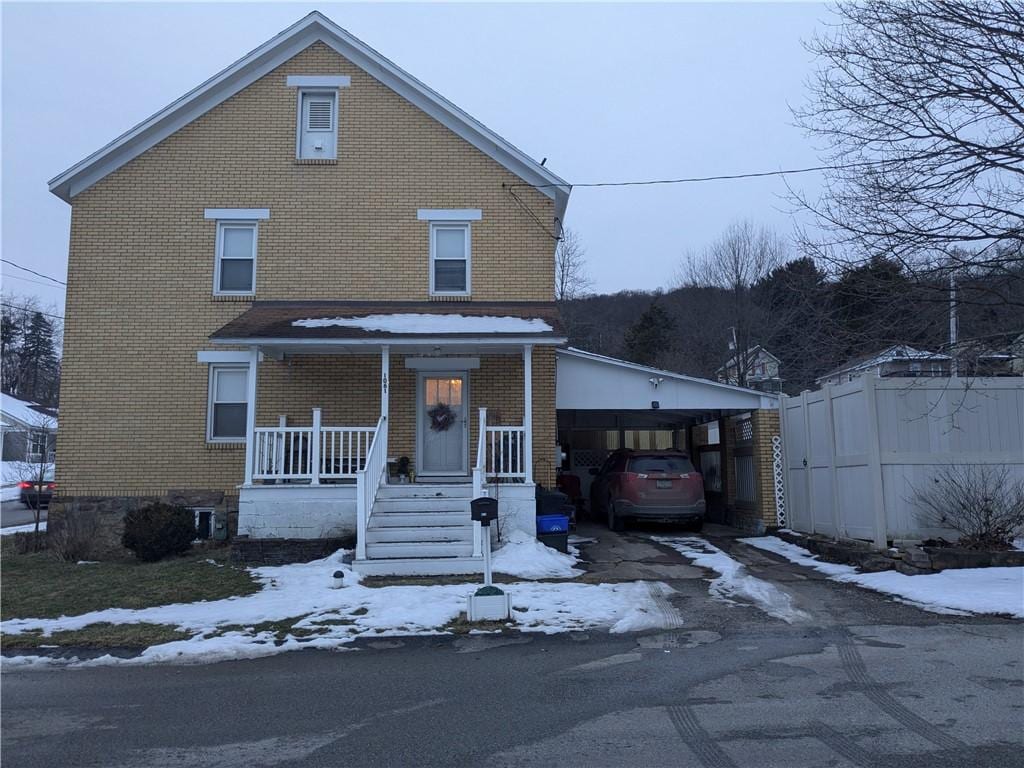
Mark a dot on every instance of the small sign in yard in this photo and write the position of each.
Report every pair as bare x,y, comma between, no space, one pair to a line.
488,603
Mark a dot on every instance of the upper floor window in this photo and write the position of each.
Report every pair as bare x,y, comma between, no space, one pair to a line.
450,250
234,269
450,258
236,258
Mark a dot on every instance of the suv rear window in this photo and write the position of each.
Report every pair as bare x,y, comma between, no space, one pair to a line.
674,465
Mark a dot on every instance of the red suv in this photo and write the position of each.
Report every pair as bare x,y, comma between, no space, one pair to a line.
648,485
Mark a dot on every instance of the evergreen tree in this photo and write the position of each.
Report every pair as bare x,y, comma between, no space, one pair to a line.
38,360
652,337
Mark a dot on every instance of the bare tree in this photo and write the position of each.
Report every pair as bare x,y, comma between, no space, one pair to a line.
571,279
744,257
983,503
36,468
919,109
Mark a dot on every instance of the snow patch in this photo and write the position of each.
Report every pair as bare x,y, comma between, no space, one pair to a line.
953,591
420,323
27,528
522,555
734,581
333,618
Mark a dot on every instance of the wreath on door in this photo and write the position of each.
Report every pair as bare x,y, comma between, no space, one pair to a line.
441,417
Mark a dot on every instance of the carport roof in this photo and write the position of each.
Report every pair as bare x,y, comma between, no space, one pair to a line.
589,381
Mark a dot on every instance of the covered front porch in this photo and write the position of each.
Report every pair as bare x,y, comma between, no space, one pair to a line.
349,434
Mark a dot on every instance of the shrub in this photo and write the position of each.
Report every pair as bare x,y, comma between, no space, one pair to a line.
157,530
72,536
983,503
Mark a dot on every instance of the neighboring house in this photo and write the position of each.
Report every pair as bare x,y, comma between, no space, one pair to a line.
761,366
998,355
28,430
897,360
299,275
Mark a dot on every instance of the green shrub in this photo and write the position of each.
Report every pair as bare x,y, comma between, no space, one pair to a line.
158,530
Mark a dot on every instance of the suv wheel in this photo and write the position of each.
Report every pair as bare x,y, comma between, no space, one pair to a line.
615,523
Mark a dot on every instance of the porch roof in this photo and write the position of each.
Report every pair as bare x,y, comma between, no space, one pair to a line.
288,323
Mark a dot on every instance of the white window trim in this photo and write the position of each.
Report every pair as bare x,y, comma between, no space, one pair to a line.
434,226
237,214
333,93
449,214
211,393
219,251
318,81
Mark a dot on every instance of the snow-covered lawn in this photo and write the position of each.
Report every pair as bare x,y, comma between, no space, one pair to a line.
28,527
733,579
320,616
954,591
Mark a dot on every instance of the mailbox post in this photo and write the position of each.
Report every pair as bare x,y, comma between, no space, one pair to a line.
488,602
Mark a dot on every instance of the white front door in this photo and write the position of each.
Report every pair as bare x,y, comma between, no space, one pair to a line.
442,434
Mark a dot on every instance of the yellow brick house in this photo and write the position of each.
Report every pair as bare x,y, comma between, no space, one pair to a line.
312,290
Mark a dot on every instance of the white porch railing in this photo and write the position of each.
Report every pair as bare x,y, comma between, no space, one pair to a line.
368,480
315,453
506,455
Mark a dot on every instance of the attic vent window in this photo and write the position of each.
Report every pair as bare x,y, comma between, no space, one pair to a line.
317,119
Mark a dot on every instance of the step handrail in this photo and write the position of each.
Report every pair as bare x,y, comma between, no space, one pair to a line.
368,481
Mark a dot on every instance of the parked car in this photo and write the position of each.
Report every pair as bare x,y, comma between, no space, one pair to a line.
648,485
36,495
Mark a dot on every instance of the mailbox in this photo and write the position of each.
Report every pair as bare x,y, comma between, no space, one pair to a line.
484,510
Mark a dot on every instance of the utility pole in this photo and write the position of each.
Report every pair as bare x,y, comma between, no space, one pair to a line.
953,365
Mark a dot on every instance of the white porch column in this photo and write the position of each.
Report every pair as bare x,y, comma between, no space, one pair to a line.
250,412
528,410
385,375
314,447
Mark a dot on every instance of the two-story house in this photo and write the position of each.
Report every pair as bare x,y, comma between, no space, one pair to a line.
761,370
315,291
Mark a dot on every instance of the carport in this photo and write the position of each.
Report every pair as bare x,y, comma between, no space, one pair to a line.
604,404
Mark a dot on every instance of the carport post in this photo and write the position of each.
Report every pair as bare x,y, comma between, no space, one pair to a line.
528,411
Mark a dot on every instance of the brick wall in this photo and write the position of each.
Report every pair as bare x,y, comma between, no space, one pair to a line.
140,275
766,426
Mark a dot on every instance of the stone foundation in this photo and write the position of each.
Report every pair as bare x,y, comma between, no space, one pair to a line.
910,560
246,551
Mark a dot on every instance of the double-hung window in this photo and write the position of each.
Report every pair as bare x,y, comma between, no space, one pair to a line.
449,258
236,258
226,409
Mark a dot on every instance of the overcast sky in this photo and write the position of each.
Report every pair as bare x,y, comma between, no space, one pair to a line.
604,92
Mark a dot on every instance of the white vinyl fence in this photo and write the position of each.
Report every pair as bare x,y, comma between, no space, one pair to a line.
856,453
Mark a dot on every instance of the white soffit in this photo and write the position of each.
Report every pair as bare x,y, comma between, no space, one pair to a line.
267,57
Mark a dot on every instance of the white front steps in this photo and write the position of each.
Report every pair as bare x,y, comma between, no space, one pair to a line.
420,530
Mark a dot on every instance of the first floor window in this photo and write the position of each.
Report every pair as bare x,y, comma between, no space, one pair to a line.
236,258
37,443
449,258
227,405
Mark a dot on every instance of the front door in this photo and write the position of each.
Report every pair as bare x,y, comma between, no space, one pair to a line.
442,434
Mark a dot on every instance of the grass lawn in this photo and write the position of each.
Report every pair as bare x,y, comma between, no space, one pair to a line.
37,585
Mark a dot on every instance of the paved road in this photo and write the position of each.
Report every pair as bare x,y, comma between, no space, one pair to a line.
16,513
863,682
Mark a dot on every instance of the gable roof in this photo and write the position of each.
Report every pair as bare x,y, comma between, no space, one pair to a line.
267,57
887,355
753,353
15,412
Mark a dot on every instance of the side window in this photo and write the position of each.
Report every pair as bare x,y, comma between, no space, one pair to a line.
449,259
226,408
318,125
235,273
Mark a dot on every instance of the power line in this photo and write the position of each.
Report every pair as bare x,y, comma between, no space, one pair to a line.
30,280
697,179
27,309
38,274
